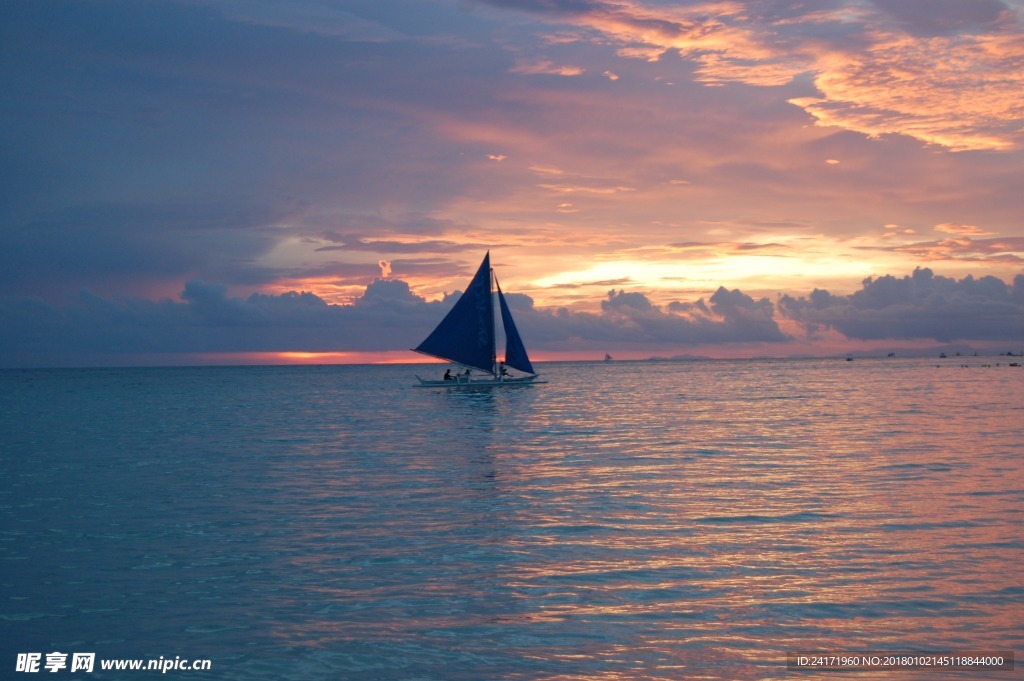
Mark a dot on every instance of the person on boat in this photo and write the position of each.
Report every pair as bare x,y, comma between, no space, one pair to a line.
448,375
504,371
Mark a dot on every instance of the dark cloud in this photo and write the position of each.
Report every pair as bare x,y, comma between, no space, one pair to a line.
622,302
388,316
944,17
630,319
388,294
921,305
207,319
111,245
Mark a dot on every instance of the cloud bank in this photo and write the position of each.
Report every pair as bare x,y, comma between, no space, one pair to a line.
389,316
917,306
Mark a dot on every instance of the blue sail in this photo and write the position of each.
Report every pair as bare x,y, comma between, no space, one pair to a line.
515,351
466,334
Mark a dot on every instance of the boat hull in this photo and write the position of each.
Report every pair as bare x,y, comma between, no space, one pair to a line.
470,383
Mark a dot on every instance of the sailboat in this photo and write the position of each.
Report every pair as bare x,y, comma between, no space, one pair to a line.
467,336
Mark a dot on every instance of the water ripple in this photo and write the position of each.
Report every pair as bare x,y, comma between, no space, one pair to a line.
625,521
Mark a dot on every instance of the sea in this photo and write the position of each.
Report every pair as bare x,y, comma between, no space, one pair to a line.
625,520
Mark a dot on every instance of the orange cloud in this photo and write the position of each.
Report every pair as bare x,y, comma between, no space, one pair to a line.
583,189
963,230
965,249
960,91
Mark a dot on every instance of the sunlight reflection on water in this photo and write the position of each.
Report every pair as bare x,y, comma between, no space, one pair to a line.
627,520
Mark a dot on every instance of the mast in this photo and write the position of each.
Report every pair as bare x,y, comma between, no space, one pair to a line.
494,325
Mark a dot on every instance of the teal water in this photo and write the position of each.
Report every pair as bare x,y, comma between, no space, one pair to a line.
629,520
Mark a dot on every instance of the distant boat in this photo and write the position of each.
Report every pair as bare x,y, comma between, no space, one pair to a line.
467,336
607,357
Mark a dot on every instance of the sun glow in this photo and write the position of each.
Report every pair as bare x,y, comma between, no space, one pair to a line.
664,279
300,357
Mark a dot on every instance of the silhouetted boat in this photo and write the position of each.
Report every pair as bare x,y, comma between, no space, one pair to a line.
467,336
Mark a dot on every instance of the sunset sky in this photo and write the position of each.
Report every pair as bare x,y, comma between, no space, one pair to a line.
254,180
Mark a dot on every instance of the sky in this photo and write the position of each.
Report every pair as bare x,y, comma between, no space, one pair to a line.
236,181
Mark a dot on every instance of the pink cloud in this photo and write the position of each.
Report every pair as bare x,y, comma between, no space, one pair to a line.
959,91
545,67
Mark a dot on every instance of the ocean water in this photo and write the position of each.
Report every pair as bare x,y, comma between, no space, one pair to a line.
628,520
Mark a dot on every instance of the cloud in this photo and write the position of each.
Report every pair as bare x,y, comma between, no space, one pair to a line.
366,243
388,294
273,149
582,189
917,306
208,320
628,319
961,230
390,316
387,316
700,250
961,248
147,146
960,92
947,73
123,244
545,67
